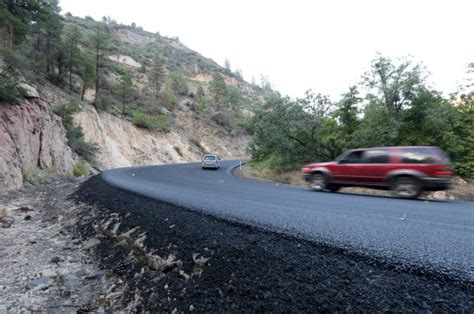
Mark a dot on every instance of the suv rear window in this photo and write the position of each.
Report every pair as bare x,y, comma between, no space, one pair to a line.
209,158
421,155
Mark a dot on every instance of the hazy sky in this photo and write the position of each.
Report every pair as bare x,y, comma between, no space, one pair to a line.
298,44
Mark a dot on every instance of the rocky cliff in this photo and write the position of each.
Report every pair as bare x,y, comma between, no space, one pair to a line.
122,144
31,137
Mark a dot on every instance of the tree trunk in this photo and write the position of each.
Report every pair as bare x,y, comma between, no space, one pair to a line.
70,71
83,91
97,74
48,57
7,36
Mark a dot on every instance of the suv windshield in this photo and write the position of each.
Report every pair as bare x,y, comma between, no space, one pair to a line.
354,157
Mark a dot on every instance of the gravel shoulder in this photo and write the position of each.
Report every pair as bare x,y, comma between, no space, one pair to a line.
174,259
44,267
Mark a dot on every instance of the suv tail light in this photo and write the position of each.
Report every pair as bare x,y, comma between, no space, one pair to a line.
443,173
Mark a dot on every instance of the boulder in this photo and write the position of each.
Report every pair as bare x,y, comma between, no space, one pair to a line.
29,91
439,195
91,243
220,118
459,181
41,283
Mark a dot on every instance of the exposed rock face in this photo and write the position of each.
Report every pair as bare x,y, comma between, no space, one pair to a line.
123,144
31,136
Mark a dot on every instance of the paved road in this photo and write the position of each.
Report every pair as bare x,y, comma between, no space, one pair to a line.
434,235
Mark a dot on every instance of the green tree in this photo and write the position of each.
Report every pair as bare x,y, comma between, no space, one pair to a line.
347,111
156,74
227,66
74,132
234,97
49,28
464,129
178,83
9,90
87,74
126,88
16,17
169,99
201,98
71,43
392,87
101,44
287,133
218,88
392,84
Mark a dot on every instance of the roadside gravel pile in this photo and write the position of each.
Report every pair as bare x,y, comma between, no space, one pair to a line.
174,259
43,268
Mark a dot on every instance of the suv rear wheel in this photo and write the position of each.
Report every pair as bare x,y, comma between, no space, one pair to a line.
406,187
318,182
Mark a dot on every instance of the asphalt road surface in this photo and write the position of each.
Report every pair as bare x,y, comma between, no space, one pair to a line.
431,235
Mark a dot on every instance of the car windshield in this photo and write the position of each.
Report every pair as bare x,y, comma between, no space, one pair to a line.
209,158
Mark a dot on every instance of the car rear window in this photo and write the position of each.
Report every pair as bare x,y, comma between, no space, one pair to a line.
422,155
376,156
209,158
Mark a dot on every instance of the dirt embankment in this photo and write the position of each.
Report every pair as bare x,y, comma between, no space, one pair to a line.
461,189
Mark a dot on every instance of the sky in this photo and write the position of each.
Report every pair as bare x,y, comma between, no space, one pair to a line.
301,44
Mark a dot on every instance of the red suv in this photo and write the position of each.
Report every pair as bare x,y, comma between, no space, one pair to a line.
407,171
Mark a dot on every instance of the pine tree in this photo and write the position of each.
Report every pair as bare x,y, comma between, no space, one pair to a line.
156,74
126,88
218,88
49,30
101,43
71,43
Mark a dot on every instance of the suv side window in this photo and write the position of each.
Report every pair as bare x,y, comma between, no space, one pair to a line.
418,155
376,156
354,157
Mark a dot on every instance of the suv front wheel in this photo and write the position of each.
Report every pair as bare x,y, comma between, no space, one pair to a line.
406,187
318,182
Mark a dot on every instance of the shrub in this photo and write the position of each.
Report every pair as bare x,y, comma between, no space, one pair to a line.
146,121
169,99
74,132
465,167
178,150
178,83
80,169
9,90
102,103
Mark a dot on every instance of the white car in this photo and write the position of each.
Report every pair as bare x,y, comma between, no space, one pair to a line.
211,162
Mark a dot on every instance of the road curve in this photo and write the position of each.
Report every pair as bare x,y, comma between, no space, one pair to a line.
438,236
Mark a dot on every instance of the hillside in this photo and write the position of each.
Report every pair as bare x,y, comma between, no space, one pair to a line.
113,95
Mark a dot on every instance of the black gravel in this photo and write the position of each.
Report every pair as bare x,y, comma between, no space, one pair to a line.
251,269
